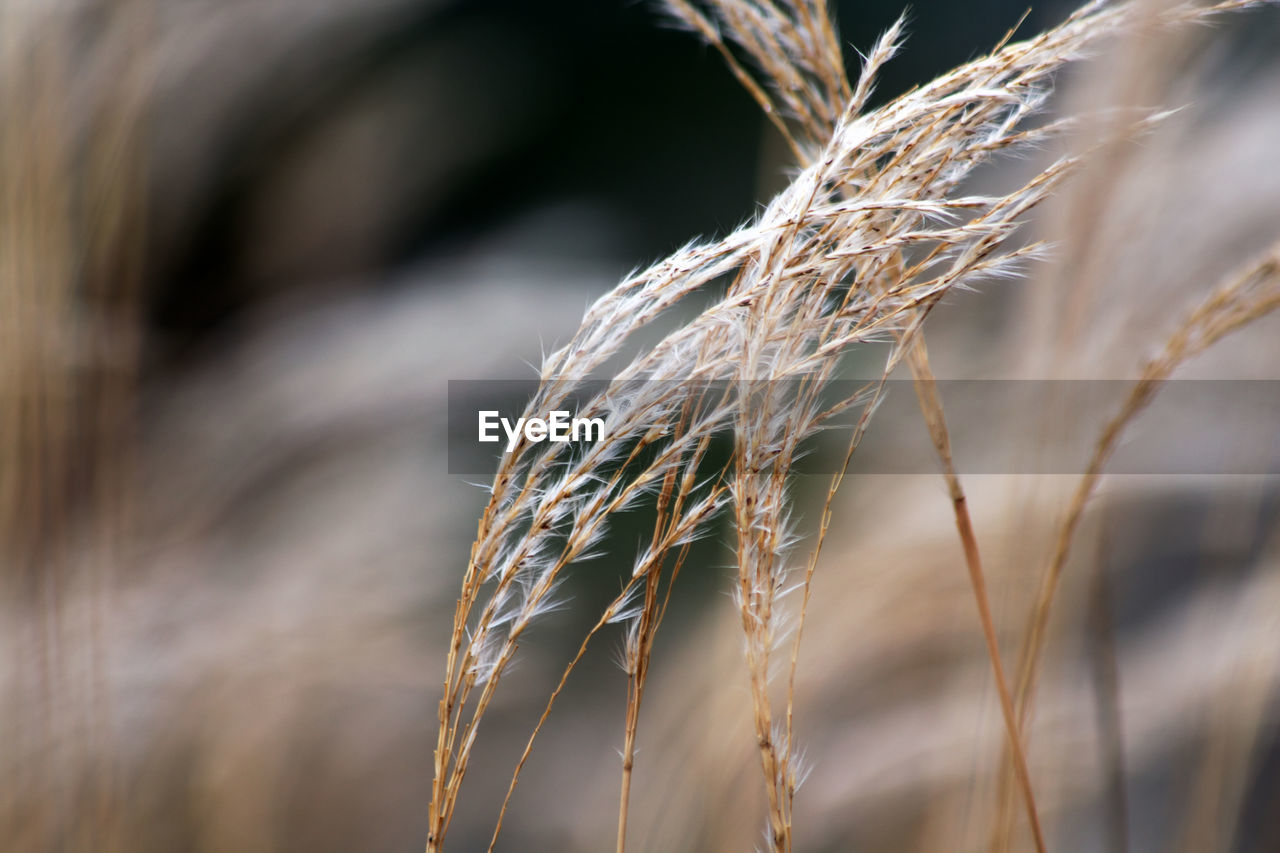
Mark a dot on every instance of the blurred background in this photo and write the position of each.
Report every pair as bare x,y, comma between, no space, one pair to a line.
244,246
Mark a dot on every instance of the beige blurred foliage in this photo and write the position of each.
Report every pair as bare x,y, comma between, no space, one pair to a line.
221,582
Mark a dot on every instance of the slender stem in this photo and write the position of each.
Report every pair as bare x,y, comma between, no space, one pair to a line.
628,761
931,407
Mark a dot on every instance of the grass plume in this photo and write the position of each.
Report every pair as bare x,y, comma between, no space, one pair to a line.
875,228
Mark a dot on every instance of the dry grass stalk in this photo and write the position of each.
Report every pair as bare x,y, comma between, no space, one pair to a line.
935,419
1245,296
865,240
643,626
